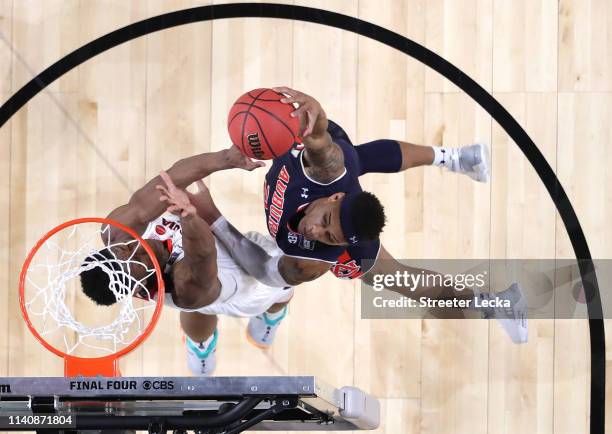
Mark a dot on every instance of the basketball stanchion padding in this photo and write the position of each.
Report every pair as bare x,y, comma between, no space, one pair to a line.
90,338
226,405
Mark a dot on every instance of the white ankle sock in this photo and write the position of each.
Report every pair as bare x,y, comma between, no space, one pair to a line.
204,344
442,156
275,315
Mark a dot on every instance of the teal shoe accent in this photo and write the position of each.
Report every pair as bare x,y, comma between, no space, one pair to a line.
273,322
202,354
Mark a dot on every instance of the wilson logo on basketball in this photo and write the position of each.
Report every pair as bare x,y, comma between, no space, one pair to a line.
255,145
160,230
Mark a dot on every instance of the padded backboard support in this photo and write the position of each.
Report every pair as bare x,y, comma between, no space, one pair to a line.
211,405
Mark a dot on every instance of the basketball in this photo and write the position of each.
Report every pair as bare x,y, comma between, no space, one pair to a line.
261,126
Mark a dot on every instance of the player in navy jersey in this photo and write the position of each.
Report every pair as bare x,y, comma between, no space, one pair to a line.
305,209
322,219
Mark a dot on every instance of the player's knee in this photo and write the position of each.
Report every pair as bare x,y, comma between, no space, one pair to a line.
210,291
187,301
197,296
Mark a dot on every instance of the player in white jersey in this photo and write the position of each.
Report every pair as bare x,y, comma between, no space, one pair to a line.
201,278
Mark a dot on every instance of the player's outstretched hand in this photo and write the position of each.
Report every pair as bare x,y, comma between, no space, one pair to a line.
237,159
177,199
312,116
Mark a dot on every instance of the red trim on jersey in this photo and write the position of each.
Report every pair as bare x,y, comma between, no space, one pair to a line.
300,208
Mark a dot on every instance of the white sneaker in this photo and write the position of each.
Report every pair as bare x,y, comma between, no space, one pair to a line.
262,330
472,160
514,318
201,360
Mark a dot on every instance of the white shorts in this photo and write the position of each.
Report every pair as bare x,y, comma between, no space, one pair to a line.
241,295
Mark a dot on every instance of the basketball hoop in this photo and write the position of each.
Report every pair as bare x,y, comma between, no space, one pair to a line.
50,291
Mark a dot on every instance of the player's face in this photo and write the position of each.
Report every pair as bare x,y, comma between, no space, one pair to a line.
124,252
321,221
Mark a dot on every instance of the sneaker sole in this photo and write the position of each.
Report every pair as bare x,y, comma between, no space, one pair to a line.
255,343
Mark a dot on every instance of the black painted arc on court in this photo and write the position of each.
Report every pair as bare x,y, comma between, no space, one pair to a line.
418,52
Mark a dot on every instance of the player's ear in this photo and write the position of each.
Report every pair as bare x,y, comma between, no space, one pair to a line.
336,196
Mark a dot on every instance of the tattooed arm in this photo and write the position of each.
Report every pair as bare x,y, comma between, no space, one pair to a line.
323,159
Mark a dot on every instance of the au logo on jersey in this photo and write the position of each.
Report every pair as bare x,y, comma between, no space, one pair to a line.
346,270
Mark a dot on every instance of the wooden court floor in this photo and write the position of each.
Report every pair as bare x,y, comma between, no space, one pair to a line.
84,144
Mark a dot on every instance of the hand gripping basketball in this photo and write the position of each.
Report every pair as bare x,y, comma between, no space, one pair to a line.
313,119
238,160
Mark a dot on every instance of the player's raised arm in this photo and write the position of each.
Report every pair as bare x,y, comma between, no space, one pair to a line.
324,158
144,205
199,284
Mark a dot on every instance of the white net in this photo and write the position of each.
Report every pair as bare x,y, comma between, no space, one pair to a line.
70,320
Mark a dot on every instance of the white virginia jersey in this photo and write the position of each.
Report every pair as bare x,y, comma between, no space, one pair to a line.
240,295
167,228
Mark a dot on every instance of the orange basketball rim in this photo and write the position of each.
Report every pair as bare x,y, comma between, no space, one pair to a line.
106,365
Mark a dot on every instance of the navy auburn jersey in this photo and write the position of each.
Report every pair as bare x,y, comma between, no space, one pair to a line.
288,190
